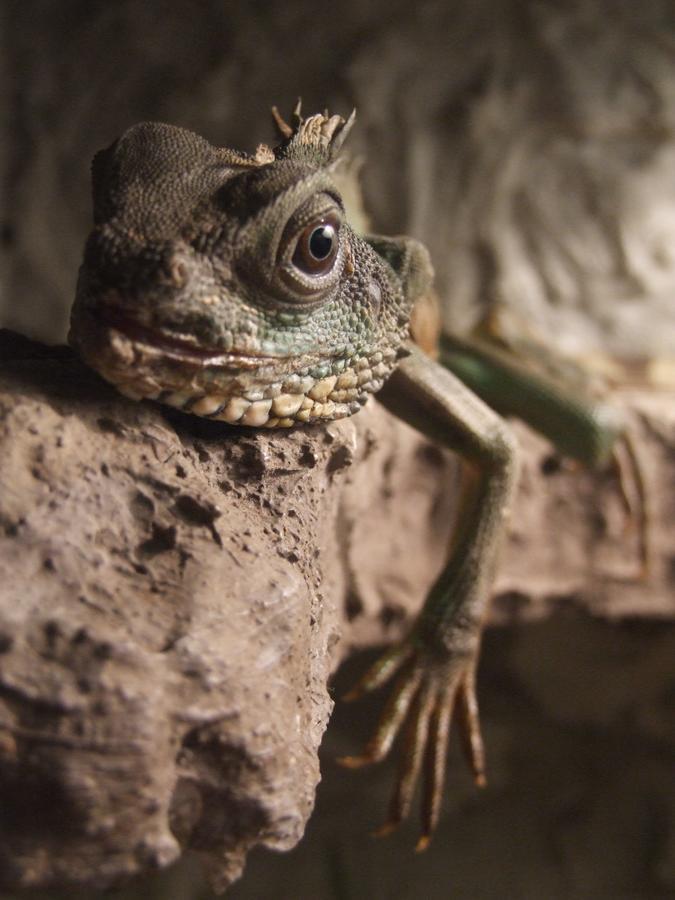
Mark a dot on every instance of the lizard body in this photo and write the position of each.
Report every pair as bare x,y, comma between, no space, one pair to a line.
233,287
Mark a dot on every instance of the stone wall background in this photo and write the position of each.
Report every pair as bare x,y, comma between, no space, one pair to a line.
530,145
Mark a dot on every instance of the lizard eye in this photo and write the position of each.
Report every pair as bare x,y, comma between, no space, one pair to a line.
317,246
310,256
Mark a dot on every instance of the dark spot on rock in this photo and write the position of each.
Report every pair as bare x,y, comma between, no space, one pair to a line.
598,521
353,606
142,507
431,455
180,471
550,464
202,452
110,426
162,540
105,469
103,650
390,614
170,643
158,485
52,631
84,685
36,801
80,636
48,564
192,672
6,642
196,512
387,467
340,458
250,462
307,456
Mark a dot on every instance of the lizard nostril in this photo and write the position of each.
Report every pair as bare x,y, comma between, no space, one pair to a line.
178,271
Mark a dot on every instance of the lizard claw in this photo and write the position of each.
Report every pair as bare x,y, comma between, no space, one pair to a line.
427,695
381,671
635,497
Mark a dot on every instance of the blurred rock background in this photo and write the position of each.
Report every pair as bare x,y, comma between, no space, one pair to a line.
531,146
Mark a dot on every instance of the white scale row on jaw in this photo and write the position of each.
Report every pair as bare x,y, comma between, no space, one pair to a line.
281,411
296,399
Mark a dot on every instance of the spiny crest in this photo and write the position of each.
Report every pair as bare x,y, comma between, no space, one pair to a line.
317,139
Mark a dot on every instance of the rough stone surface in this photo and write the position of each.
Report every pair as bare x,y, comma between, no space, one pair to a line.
174,592
169,618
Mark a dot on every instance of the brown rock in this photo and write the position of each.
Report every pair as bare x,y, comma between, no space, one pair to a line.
173,593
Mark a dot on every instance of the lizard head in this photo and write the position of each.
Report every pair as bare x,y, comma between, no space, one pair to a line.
232,286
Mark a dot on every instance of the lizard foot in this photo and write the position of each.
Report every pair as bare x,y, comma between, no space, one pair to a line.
429,692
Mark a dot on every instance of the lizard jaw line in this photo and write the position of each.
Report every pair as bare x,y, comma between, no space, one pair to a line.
263,394
182,348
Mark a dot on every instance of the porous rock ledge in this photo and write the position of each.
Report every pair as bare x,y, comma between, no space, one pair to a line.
175,593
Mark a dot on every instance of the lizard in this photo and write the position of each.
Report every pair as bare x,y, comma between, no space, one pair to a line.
232,286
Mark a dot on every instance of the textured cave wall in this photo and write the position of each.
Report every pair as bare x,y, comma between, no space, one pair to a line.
530,145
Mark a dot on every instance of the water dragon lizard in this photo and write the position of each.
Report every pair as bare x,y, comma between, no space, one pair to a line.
232,286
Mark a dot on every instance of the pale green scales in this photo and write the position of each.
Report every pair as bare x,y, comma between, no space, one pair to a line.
232,287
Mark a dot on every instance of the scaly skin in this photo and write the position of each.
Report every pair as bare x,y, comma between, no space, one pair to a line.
188,293
232,287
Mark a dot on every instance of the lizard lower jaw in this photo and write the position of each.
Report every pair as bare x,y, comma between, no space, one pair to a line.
235,388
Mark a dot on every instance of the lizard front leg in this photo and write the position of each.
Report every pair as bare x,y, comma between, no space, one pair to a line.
436,662
552,395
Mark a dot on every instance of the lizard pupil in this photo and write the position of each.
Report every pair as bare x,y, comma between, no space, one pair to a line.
317,246
321,242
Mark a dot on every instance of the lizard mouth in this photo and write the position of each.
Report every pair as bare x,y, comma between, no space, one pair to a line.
185,348
231,386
